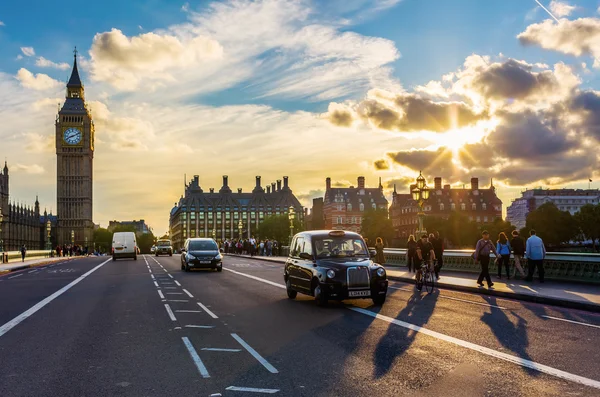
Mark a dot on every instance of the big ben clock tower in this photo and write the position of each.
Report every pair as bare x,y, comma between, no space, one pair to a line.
74,165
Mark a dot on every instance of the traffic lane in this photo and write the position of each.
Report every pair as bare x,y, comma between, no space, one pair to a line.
107,335
21,291
513,328
335,346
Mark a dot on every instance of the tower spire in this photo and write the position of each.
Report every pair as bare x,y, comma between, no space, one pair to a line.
74,80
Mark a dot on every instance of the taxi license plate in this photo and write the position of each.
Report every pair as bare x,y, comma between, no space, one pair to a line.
359,293
204,262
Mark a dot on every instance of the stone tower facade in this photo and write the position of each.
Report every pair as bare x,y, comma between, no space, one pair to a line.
74,165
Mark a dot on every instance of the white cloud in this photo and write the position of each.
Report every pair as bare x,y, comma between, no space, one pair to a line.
2,23
19,57
28,169
39,81
45,63
28,51
561,9
185,7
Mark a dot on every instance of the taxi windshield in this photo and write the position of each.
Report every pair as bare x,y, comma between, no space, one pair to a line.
337,247
163,243
203,246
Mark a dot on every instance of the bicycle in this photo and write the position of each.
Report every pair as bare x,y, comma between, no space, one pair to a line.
427,277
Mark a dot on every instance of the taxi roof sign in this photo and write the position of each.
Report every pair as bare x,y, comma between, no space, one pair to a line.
337,233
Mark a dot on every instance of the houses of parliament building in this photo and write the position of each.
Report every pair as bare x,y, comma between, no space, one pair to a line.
74,137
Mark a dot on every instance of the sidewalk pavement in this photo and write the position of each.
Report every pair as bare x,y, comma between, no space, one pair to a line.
571,295
14,266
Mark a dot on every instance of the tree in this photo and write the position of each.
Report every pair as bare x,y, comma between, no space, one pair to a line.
376,223
552,225
277,227
145,242
103,239
588,221
459,232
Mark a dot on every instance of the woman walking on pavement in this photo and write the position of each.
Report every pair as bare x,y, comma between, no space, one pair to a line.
482,255
379,257
518,247
503,248
411,254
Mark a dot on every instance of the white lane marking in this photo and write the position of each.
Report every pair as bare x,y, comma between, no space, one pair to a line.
155,283
150,270
170,275
170,312
166,283
33,271
152,275
29,312
199,326
194,354
256,278
255,354
503,356
177,282
178,300
160,294
174,293
571,321
456,299
170,287
188,293
207,310
18,275
217,349
165,270
188,311
252,390
490,352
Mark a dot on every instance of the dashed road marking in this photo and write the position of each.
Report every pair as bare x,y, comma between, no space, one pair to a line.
178,300
188,293
188,311
160,294
170,312
155,283
170,275
33,271
571,321
18,275
255,354
177,282
207,310
217,349
252,390
195,357
199,326
174,293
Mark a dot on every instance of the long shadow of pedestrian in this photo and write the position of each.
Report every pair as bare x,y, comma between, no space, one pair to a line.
418,310
511,336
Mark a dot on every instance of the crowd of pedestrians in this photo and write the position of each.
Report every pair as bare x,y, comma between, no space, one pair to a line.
251,246
71,250
429,248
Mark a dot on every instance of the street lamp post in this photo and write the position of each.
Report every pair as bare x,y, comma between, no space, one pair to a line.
1,241
291,216
72,237
214,234
48,230
240,227
420,194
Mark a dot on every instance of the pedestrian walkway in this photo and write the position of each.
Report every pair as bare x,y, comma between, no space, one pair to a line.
14,266
566,294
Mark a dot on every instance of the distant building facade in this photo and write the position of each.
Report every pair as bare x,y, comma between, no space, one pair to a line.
344,208
139,226
480,205
199,213
21,224
570,200
315,220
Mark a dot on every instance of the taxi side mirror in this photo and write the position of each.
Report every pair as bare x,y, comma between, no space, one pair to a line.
304,255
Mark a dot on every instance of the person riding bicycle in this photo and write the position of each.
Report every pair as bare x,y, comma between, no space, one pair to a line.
425,255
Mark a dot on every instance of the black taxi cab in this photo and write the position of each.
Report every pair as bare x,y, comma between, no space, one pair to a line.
333,265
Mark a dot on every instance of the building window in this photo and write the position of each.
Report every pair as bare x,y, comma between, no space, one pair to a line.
484,206
441,206
361,206
340,220
463,206
228,215
478,219
349,207
374,206
485,218
474,206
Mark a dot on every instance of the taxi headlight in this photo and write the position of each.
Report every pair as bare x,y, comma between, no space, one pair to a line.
381,272
218,257
330,273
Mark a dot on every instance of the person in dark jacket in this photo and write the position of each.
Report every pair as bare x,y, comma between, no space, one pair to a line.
411,254
23,252
503,260
482,255
518,247
379,257
438,249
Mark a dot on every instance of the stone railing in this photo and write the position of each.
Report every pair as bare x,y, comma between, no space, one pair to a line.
558,265
16,255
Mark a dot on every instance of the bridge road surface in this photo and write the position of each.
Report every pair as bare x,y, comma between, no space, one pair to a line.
93,327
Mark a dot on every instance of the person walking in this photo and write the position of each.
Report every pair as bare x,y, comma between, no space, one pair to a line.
482,255
23,252
252,246
411,254
518,247
503,248
535,253
379,257
425,255
438,248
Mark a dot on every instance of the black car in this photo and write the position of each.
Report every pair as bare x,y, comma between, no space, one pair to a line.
333,265
201,253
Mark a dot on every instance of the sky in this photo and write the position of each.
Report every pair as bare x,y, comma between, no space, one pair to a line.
502,90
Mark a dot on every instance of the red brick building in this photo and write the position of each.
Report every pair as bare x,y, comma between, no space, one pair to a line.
480,205
343,208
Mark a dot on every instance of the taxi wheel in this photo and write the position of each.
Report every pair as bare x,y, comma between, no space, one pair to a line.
220,268
290,292
320,296
379,300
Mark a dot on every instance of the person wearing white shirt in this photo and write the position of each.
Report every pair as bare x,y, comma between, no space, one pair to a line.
535,252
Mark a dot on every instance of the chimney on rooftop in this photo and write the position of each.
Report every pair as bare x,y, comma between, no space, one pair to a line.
212,189
474,183
285,183
272,187
328,183
268,189
239,190
278,184
447,187
438,183
225,180
361,182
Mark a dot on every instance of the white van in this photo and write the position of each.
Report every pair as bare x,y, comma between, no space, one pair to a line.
124,245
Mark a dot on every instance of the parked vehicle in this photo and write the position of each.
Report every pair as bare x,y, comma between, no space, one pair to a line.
333,264
201,253
164,247
124,245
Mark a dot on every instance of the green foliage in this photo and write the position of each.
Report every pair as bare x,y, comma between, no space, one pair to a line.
103,240
552,225
277,227
588,220
459,232
145,242
376,223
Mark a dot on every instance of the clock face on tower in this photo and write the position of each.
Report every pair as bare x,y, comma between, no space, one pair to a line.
72,136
